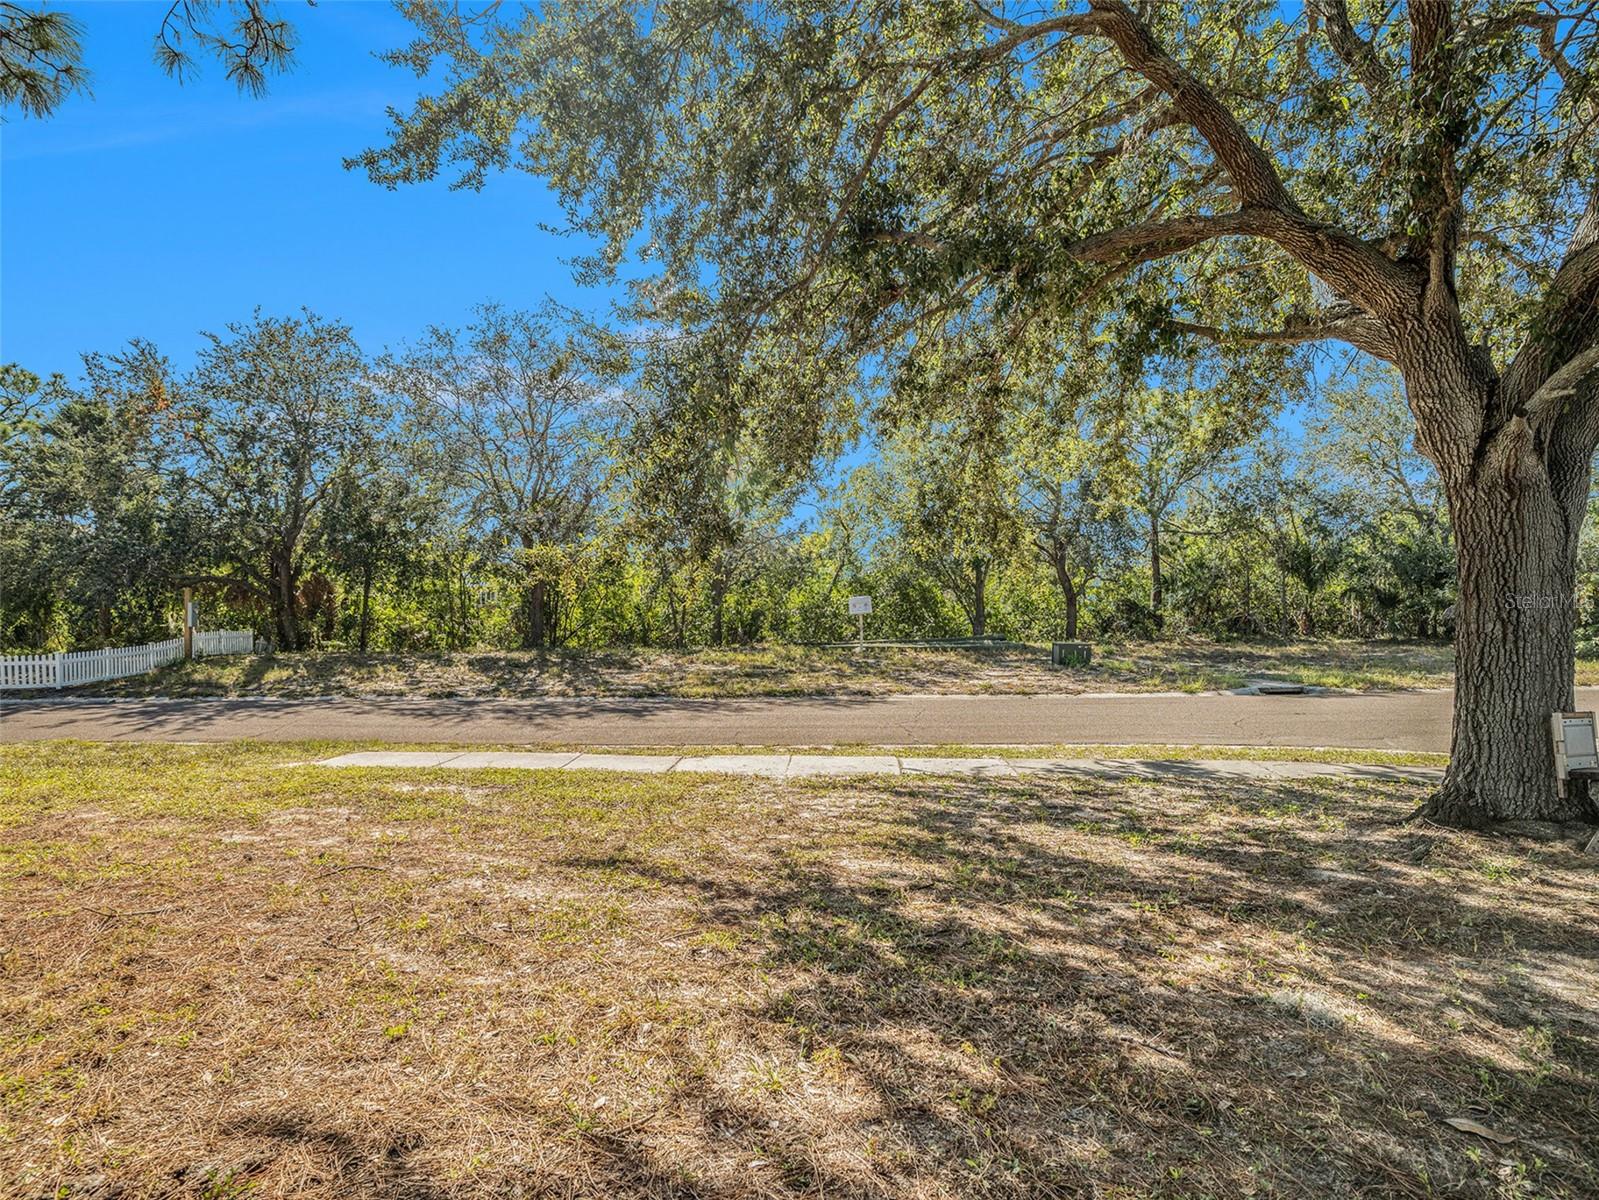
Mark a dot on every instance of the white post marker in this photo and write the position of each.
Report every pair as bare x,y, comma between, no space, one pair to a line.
189,614
859,606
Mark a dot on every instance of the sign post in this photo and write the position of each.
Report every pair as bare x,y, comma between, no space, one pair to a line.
188,622
859,606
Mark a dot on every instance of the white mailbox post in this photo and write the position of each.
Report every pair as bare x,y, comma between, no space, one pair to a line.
859,606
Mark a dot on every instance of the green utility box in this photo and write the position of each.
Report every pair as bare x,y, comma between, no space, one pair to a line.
1071,654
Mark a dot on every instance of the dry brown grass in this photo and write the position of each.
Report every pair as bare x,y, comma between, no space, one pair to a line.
223,976
801,671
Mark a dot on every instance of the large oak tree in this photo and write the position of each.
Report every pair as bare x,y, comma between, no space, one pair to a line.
520,408
1418,182
275,415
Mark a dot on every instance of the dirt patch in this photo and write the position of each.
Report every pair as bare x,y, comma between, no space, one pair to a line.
800,671
577,984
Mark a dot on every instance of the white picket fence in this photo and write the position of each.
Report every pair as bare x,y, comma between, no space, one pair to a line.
115,662
223,641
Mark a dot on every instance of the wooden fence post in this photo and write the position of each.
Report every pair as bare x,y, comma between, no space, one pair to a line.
188,622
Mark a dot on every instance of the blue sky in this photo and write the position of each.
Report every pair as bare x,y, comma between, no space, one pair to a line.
155,210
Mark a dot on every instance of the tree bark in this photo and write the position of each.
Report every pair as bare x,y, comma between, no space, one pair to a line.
286,615
1068,591
366,604
1517,488
533,616
1515,637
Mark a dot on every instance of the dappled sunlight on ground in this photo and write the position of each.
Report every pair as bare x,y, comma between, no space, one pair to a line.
799,671
223,973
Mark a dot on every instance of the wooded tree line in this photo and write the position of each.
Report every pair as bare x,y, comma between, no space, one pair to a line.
533,479
1417,182
948,202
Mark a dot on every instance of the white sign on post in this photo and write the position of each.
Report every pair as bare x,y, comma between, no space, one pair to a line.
859,606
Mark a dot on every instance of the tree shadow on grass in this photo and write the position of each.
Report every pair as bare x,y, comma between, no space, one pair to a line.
1136,1006
944,988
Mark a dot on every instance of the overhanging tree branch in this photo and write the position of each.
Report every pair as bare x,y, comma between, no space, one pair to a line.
1570,314
1344,324
1354,268
1150,240
1564,382
1437,105
1354,51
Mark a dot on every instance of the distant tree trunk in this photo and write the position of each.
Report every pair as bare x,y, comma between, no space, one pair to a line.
678,611
718,607
979,596
1068,591
366,603
1249,599
1157,584
449,614
533,615
327,604
285,602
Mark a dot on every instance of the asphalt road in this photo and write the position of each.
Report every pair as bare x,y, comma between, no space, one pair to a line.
1390,720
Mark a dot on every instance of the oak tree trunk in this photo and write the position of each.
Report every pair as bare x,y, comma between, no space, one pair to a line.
285,603
1514,652
1517,497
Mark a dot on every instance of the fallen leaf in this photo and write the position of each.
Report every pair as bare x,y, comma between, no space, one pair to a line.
1467,1125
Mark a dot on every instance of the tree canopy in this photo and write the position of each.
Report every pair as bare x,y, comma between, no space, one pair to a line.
876,172
1418,183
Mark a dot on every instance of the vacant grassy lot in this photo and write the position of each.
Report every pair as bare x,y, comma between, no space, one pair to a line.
803,671
222,975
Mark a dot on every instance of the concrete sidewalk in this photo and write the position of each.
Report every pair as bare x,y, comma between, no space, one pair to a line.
807,766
